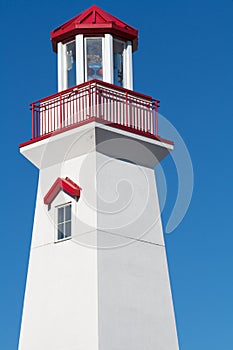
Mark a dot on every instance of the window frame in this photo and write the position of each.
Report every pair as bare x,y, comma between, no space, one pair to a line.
123,62
85,38
64,221
66,72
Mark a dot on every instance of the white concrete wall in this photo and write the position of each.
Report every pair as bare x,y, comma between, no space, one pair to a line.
61,309
61,303
134,296
108,286
135,302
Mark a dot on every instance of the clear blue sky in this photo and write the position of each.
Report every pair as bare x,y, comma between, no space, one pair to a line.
185,59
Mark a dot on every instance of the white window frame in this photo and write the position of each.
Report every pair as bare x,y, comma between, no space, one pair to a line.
65,70
61,65
85,55
56,239
108,59
128,72
124,61
79,59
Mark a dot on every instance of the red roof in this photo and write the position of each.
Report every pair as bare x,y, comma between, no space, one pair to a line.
66,185
91,22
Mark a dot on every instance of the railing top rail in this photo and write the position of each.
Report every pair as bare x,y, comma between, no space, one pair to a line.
98,83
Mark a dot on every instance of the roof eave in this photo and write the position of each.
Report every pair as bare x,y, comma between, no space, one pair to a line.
93,29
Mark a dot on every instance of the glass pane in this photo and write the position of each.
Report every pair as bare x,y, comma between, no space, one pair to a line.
118,50
68,229
71,63
68,213
60,215
94,64
60,231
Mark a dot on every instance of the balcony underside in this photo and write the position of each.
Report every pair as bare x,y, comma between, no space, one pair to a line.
91,137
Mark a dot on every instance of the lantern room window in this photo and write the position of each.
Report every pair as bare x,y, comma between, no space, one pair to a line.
93,59
103,58
118,59
70,52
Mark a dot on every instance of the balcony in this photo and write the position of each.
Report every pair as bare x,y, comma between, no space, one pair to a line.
94,101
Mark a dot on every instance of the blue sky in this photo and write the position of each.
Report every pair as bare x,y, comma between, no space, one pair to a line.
184,59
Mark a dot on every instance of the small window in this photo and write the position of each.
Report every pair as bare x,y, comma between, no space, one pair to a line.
118,52
63,222
93,59
71,63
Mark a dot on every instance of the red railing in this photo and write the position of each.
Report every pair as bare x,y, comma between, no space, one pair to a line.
94,100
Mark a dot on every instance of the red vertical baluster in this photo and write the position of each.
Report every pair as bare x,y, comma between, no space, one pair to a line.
82,105
65,110
144,118
61,107
127,120
115,106
89,100
129,111
110,114
96,101
37,121
48,122
33,121
42,123
54,116
73,108
152,120
76,107
157,118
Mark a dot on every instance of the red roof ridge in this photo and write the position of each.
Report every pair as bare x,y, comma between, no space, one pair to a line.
93,20
67,185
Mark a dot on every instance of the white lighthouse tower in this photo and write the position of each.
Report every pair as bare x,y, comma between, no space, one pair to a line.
97,276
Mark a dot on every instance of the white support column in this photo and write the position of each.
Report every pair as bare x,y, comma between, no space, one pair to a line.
62,73
79,59
60,66
128,65
108,58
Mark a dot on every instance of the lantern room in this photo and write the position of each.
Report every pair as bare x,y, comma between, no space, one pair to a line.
94,45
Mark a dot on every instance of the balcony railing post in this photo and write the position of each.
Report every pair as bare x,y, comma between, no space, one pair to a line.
157,118
38,122
127,115
95,99
61,110
33,121
130,112
89,102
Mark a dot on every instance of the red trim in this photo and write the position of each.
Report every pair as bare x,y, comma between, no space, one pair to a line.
66,185
94,20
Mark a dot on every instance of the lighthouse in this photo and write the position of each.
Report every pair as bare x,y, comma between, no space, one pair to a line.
97,275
